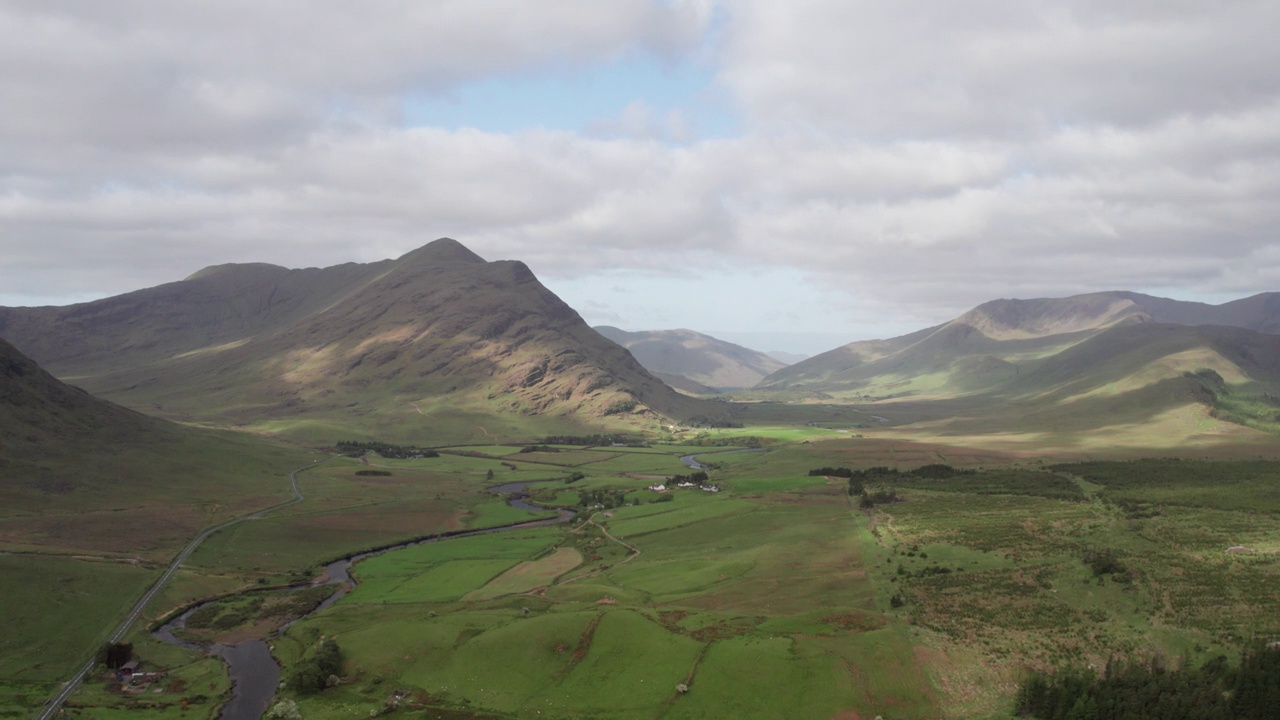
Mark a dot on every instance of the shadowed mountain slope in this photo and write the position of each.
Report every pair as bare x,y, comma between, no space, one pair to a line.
80,474
700,358
377,347
38,411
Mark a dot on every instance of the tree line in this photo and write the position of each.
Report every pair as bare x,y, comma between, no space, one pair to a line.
356,448
1130,690
591,440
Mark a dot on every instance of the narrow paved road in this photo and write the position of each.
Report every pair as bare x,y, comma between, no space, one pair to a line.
52,706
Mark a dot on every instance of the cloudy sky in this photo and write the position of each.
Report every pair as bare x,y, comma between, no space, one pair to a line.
790,175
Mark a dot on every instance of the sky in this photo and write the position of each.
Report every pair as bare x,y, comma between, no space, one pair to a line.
792,176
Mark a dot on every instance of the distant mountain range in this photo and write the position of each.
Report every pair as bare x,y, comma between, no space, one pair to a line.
438,332
440,341
692,361
1075,351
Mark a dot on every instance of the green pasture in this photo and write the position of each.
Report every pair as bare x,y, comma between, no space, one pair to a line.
779,597
529,575
771,432
344,513
301,541
563,458
727,458
689,506
498,512
638,463
748,485
449,464
57,611
444,570
560,498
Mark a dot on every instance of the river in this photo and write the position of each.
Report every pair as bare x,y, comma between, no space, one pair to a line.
255,676
695,465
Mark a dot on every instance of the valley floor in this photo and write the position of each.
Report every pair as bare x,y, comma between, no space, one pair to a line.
839,594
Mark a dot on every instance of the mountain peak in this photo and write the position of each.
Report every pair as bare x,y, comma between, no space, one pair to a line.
442,250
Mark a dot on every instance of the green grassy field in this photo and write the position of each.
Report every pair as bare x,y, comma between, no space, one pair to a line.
778,596
58,611
723,587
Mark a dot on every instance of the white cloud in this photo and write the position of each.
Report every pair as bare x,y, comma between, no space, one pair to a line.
903,68
915,157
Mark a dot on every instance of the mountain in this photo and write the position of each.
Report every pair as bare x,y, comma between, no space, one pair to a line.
438,338
1093,358
787,358
37,411
695,357
80,474
994,341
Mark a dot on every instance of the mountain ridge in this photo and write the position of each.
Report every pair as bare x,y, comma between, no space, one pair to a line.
1098,356
396,339
1038,324
697,357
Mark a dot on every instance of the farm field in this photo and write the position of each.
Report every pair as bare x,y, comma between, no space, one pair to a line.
58,610
932,605
781,595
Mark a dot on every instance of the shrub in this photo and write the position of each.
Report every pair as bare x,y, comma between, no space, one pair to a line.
311,675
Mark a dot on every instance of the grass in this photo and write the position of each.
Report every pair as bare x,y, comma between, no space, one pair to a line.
778,596
498,512
446,570
529,575
193,688
637,463
140,501
58,610
689,507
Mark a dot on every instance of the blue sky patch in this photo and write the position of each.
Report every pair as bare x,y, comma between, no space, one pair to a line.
583,101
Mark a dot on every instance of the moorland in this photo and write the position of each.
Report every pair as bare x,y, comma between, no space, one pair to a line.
1034,502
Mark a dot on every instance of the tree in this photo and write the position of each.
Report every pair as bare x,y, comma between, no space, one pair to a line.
115,655
284,710
312,674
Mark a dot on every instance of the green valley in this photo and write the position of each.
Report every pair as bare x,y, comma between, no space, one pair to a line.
496,512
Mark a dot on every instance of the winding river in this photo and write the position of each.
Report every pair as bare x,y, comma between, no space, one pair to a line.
255,676
695,465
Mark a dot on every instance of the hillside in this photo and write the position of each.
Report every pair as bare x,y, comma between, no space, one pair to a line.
78,473
995,341
1075,363
696,357
438,341
38,412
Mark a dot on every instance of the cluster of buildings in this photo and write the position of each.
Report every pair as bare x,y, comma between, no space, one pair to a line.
660,487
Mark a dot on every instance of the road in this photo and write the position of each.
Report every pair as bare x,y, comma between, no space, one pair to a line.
53,705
